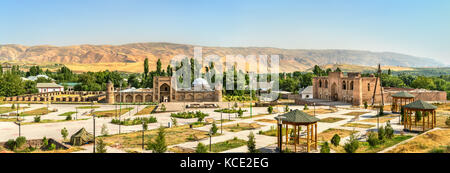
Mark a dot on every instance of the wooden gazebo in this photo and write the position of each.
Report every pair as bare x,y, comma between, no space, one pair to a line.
400,99
297,118
426,110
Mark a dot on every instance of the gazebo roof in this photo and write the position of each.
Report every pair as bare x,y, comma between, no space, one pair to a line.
297,116
403,94
419,104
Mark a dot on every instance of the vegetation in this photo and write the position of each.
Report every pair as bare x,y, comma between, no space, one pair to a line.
231,111
146,110
331,120
39,111
100,146
111,113
88,107
37,119
325,148
305,107
336,140
251,143
201,148
187,115
227,145
64,133
352,145
135,121
270,109
214,129
159,144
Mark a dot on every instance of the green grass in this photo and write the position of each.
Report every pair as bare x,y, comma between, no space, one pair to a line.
111,113
50,121
331,120
227,145
273,131
88,107
388,143
358,125
67,114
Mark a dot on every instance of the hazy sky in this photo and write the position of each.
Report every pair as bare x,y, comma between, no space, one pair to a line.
420,28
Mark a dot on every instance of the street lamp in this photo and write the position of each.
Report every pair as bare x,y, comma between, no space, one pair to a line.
314,104
221,123
280,132
210,136
120,106
93,119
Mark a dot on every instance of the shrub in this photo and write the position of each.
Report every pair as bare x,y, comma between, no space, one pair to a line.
159,145
286,109
13,106
44,142
163,108
37,119
104,131
240,112
366,105
270,109
145,126
11,144
437,150
336,140
174,121
214,129
418,116
69,117
135,121
381,134
251,143
201,148
100,147
325,148
352,145
389,131
52,147
373,139
235,105
306,107
64,133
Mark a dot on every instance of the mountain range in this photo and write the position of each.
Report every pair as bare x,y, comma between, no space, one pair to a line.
290,59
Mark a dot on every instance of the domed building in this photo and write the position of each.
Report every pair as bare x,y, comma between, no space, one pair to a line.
200,84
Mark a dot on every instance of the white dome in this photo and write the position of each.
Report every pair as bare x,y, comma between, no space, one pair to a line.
200,84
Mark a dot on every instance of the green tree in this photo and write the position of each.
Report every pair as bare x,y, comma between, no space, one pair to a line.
159,144
100,147
270,109
214,129
352,145
325,148
158,67
423,82
201,148
372,139
64,133
20,141
251,143
335,140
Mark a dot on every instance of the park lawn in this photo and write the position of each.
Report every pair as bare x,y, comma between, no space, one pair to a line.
254,116
50,121
241,126
356,113
425,142
174,135
227,145
8,119
331,120
364,147
65,114
8,109
39,111
358,125
267,121
329,133
111,113
310,111
383,119
146,110
70,150
178,149
273,131
88,107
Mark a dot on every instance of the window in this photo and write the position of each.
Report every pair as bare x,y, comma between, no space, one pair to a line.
326,84
368,87
351,85
320,83
344,86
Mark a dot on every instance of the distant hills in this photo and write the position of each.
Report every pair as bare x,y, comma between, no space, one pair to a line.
134,55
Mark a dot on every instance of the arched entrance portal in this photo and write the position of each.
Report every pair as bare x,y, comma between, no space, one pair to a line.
164,92
334,95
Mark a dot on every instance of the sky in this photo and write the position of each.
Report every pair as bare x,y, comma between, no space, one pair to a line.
414,27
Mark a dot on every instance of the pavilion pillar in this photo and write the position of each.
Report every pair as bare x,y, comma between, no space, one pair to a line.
423,123
315,136
287,136
295,139
307,138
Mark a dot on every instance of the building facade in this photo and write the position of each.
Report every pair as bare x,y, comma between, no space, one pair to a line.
164,90
357,90
49,87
